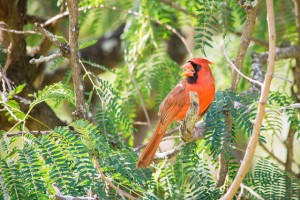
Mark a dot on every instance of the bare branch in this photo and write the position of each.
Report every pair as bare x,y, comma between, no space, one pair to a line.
168,154
270,153
42,59
20,32
245,40
131,71
259,59
80,107
64,48
235,68
35,133
282,78
295,105
168,133
261,107
102,176
280,53
256,40
257,196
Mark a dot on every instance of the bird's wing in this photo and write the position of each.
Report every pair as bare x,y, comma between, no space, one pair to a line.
173,103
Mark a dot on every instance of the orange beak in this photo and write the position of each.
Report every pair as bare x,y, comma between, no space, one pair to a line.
189,69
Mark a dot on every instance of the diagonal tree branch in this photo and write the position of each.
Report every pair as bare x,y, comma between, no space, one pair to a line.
261,107
244,43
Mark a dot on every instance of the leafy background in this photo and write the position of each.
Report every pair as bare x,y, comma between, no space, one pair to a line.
36,165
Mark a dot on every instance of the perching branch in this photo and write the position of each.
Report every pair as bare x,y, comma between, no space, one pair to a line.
168,154
190,129
186,129
261,107
80,107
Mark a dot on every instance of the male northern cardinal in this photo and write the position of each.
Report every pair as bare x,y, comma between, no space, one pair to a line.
175,106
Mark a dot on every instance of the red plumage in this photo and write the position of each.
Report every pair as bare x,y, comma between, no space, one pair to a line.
176,104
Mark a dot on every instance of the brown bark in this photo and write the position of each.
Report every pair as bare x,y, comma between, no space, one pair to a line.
19,70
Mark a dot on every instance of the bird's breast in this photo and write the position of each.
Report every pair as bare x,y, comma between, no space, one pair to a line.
206,94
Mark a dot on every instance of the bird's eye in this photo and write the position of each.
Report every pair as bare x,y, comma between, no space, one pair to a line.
199,67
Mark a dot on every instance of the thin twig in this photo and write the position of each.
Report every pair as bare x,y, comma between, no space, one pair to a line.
164,139
168,154
130,12
131,70
171,132
19,32
261,107
60,196
102,176
64,48
256,40
257,196
270,153
141,123
295,105
168,133
282,78
236,69
42,59
35,133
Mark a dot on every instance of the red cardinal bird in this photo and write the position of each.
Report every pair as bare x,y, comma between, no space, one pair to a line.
175,106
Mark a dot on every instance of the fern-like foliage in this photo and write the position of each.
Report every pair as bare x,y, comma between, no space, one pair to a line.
217,131
12,181
199,180
111,114
56,92
277,101
59,172
31,173
273,183
207,24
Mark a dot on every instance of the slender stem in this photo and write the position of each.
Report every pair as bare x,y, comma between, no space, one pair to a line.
270,153
237,70
140,96
261,107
